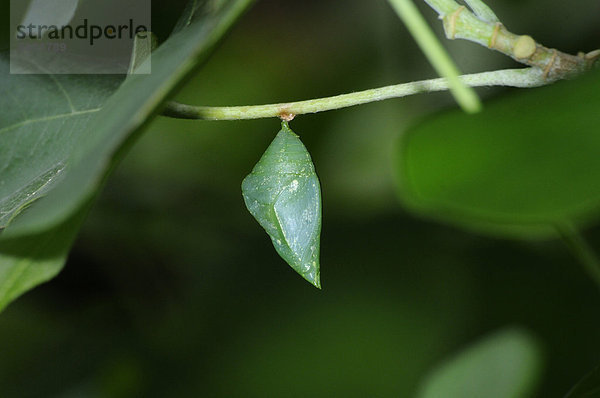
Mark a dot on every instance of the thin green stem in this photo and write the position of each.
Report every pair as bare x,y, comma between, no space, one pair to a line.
436,54
443,7
527,77
482,10
580,248
482,26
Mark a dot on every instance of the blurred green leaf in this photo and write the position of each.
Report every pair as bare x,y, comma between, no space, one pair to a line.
504,365
588,387
27,261
61,137
529,160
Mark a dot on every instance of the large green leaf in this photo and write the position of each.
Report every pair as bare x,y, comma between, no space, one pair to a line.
504,365
99,140
61,136
42,120
528,161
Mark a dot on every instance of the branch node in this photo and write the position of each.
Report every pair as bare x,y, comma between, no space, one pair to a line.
450,22
492,42
548,68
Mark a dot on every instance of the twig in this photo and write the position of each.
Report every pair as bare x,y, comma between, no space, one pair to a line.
526,77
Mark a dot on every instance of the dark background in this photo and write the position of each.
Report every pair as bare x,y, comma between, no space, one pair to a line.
173,290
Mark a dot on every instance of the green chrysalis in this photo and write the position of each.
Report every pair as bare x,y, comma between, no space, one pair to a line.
282,192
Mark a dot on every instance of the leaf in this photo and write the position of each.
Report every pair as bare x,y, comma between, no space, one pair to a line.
526,162
196,9
50,12
588,387
61,136
187,16
143,45
27,261
504,365
42,121
283,193
93,144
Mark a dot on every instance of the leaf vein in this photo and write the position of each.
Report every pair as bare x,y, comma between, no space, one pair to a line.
46,119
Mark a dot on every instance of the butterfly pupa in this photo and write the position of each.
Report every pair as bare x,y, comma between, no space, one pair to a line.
283,194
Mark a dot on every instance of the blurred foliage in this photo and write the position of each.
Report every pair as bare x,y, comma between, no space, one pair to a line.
503,365
64,149
528,162
173,290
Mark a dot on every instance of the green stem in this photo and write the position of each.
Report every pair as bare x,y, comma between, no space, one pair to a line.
482,27
436,54
527,77
547,66
581,250
482,10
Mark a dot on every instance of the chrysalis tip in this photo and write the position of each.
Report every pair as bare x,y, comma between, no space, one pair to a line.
315,281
